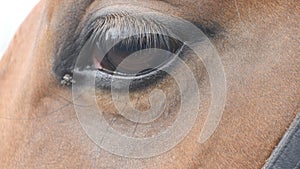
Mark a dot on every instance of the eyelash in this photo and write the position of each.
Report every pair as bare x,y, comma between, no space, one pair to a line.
96,27
101,29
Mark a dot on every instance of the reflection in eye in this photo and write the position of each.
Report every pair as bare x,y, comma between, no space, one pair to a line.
117,62
120,48
133,32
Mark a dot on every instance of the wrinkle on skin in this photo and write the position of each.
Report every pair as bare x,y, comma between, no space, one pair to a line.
237,9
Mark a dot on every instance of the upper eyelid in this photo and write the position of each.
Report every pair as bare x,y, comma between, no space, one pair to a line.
210,29
68,54
118,22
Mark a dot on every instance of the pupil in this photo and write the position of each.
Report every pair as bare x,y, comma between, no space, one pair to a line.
132,56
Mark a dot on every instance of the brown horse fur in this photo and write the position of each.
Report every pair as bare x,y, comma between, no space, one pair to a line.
259,47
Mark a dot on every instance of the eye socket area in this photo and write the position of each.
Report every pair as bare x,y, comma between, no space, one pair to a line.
124,48
136,56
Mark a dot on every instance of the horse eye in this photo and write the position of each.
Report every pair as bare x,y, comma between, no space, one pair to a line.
133,56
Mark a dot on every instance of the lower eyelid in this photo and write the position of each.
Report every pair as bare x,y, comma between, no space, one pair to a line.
103,79
87,29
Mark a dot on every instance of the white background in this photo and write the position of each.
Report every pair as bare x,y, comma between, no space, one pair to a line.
12,14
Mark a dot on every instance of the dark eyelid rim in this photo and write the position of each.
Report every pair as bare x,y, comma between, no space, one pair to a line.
85,30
